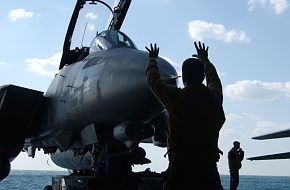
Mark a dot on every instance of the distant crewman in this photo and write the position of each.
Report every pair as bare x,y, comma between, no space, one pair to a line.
235,157
195,118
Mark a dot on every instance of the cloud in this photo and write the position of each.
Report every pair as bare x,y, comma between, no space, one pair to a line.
199,30
252,117
233,117
227,132
177,68
91,16
175,65
221,74
3,63
47,67
257,90
18,14
279,6
265,127
91,27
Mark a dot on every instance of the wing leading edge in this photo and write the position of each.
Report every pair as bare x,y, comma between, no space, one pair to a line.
285,155
275,135
279,134
20,114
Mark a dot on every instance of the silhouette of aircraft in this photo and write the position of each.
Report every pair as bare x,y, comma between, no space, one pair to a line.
97,104
275,135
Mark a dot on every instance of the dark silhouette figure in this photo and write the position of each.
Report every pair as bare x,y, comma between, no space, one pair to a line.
235,157
195,118
115,171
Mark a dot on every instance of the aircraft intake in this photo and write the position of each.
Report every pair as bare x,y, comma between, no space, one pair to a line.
129,131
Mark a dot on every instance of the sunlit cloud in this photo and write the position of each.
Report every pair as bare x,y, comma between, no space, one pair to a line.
177,68
221,74
18,14
91,27
3,63
227,132
278,6
265,127
257,90
47,67
233,117
242,116
91,16
199,30
251,116
175,65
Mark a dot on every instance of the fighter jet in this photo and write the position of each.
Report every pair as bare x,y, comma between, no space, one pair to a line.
279,134
98,103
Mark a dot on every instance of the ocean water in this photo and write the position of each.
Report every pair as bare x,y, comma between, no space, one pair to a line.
28,179
253,182
37,180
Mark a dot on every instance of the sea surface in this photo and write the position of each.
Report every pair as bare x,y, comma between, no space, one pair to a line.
37,180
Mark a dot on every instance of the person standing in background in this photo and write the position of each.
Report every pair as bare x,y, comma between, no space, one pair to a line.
235,157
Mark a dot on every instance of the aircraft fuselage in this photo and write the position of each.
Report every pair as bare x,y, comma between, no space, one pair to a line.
106,88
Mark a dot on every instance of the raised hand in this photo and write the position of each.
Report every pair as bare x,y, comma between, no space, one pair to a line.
153,51
202,51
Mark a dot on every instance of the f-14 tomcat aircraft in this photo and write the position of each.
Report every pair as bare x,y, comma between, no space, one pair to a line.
97,104
275,135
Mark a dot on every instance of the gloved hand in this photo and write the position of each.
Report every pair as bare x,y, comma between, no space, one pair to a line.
153,51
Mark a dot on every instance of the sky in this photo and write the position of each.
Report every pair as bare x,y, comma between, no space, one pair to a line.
248,43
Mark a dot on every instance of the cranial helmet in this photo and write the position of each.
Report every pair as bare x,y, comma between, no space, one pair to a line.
192,71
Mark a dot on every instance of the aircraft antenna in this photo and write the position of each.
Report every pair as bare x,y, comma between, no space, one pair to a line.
84,34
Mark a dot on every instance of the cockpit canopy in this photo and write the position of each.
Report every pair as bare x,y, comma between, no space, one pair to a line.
110,39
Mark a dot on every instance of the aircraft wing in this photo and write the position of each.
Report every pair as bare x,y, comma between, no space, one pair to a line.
285,155
279,134
275,135
20,113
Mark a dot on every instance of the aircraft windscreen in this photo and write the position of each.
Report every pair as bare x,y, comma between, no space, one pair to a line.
93,18
111,39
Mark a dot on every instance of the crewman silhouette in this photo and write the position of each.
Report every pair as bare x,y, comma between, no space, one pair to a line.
195,118
235,157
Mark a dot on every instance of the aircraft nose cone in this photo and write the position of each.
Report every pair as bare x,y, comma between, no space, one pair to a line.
167,71
123,87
